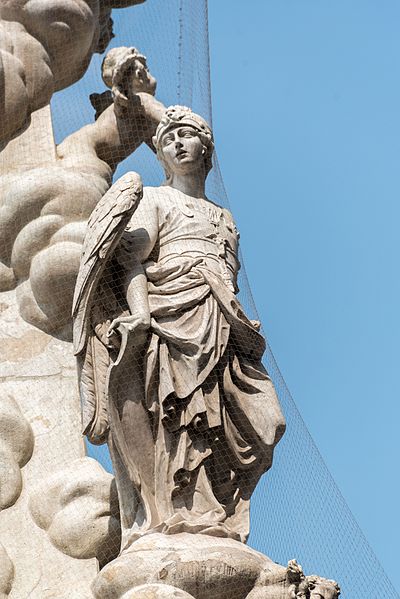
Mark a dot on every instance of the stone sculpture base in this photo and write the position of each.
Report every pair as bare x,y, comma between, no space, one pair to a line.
190,566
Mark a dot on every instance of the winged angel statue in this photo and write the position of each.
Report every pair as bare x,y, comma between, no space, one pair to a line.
169,365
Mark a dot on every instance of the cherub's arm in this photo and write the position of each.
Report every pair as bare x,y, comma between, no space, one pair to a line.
113,136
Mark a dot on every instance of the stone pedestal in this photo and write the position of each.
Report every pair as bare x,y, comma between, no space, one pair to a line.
186,565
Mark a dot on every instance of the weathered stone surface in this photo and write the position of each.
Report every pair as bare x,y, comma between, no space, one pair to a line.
38,375
156,591
160,565
200,565
6,573
78,507
16,446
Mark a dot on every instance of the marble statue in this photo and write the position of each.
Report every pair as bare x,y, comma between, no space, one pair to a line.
42,225
170,366
45,46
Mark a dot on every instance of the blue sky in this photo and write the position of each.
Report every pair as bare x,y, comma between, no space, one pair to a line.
306,97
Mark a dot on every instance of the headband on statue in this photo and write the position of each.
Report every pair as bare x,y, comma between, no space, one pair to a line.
179,116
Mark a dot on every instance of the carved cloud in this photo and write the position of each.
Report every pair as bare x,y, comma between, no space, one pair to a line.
16,446
78,507
43,216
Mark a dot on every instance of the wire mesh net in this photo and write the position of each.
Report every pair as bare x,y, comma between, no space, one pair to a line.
297,510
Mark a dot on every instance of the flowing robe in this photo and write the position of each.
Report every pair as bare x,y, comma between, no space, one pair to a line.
193,414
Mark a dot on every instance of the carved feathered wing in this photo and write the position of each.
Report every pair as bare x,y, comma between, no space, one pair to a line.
105,228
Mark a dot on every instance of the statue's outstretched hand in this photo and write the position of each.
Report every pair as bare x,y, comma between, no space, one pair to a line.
256,324
134,326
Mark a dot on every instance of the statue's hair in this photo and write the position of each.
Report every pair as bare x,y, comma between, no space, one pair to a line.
181,116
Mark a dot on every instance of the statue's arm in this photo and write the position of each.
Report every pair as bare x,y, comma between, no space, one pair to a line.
154,110
114,136
133,251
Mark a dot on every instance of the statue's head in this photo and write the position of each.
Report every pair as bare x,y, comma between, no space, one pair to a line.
125,69
184,142
322,588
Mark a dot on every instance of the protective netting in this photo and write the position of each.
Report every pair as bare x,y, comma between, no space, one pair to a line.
297,509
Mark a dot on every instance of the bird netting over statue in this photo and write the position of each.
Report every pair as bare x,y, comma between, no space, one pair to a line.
176,402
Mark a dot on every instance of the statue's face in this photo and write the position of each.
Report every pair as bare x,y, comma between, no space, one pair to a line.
322,591
141,80
182,150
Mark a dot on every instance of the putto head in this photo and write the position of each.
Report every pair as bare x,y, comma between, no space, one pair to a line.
125,67
323,587
180,118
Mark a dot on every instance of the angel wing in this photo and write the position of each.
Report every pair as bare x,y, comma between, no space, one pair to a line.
105,228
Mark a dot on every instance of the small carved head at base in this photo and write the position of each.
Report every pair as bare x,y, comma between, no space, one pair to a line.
322,588
293,584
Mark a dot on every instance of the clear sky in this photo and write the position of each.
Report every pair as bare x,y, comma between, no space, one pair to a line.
306,98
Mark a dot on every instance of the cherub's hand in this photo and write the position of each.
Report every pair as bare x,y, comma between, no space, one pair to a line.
138,324
123,103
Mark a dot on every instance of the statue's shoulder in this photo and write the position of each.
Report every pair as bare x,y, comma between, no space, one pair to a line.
227,213
155,195
230,221
161,198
